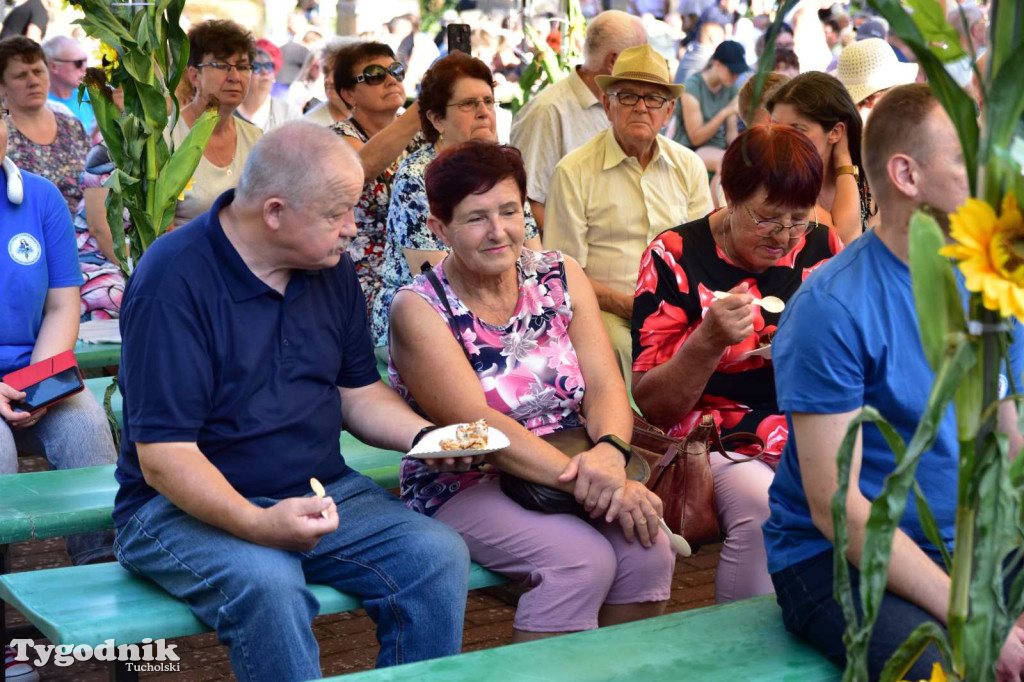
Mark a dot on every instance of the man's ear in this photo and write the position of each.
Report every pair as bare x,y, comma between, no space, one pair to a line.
272,209
609,62
439,229
904,175
606,102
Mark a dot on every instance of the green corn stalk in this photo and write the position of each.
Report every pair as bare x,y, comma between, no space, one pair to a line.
152,53
548,66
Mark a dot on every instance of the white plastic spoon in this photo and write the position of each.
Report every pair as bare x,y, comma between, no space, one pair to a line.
772,304
678,542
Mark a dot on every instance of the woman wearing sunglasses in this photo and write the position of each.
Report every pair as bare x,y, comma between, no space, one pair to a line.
259,108
692,351
220,67
369,81
456,105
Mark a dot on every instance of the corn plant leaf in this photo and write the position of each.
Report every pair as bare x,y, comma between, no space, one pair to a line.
106,113
930,18
930,526
888,507
936,296
858,632
180,168
995,530
904,657
766,64
178,46
1004,104
957,103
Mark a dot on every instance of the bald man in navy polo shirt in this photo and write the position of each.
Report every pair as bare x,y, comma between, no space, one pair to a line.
245,349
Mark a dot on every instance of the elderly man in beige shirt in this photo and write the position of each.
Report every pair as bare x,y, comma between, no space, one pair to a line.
611,197
564,116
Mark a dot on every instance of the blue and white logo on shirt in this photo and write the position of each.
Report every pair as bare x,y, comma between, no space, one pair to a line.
24,249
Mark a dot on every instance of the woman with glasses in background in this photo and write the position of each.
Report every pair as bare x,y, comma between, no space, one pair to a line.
220,66
368,80
456,105
259,108
695,353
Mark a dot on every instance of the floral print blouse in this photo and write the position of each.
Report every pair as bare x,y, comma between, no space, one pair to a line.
527,367
679,272
371,214
407,229
61,162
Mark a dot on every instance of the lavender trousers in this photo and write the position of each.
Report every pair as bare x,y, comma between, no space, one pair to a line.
741,491
72,434
573,565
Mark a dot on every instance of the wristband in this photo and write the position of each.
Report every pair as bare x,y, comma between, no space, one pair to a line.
848,170
422,432
617,443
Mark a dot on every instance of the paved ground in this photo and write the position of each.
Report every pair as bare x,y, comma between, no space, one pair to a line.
346,640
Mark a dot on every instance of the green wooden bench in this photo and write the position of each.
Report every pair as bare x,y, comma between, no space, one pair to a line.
743,640
92,355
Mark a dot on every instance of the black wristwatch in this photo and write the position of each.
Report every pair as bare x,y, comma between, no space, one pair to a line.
617,443
422,432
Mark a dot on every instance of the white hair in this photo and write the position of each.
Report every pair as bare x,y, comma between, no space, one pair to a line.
51,46
611,31
287,161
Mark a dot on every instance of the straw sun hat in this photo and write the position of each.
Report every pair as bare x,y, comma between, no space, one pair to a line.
867,66
641,64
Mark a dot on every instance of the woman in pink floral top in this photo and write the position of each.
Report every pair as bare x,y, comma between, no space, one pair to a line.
525,349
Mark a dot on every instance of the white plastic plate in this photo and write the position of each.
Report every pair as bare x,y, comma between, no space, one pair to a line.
429,446
765,353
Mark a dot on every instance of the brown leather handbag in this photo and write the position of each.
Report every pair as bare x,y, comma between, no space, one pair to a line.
681,474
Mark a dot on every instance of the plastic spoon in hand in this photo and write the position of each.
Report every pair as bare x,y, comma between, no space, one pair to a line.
678,542
318,489
772,304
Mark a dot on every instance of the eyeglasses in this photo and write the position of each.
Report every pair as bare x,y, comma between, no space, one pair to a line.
260,67
375,74
770,228
473,104
242,69
79,63
629,99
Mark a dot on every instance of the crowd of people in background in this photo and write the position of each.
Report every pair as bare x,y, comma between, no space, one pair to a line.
550,263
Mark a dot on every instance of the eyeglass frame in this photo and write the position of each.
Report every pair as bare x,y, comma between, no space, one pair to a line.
395,69
260,67
620,95
473,104
79,63
779,227
226,67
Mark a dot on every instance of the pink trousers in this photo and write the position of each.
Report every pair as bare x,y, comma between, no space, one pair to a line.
572,565
741,491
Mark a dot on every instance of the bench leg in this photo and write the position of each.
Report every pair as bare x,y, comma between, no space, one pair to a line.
119,672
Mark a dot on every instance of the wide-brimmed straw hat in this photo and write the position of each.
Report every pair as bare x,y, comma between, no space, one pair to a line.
641,64
867,66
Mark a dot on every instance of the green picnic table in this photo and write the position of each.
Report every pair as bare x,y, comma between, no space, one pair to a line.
92,355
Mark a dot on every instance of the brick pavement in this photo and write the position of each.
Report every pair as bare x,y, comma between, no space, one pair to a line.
346,640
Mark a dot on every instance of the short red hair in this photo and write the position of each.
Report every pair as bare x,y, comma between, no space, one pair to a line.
778,158
473,167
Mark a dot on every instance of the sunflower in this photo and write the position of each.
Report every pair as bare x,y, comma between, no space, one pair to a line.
109,58
990,251
938,674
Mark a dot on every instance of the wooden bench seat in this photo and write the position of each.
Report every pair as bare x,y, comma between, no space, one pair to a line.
89,604
744,640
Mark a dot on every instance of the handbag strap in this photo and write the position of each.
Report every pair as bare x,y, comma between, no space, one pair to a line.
436,283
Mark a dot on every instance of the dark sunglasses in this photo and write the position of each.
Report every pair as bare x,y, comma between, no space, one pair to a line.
79,63
375,74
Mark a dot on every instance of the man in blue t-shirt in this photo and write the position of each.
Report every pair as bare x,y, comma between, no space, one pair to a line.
850,338
245,349
66,62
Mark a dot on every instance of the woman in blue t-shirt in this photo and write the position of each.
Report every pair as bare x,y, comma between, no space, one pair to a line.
40,278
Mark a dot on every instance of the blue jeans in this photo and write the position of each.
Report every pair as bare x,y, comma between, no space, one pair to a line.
411,572
809,609
72,434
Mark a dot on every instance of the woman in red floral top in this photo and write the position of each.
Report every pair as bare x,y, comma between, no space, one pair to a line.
692,353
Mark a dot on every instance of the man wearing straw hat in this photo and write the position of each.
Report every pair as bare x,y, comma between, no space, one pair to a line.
612,196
